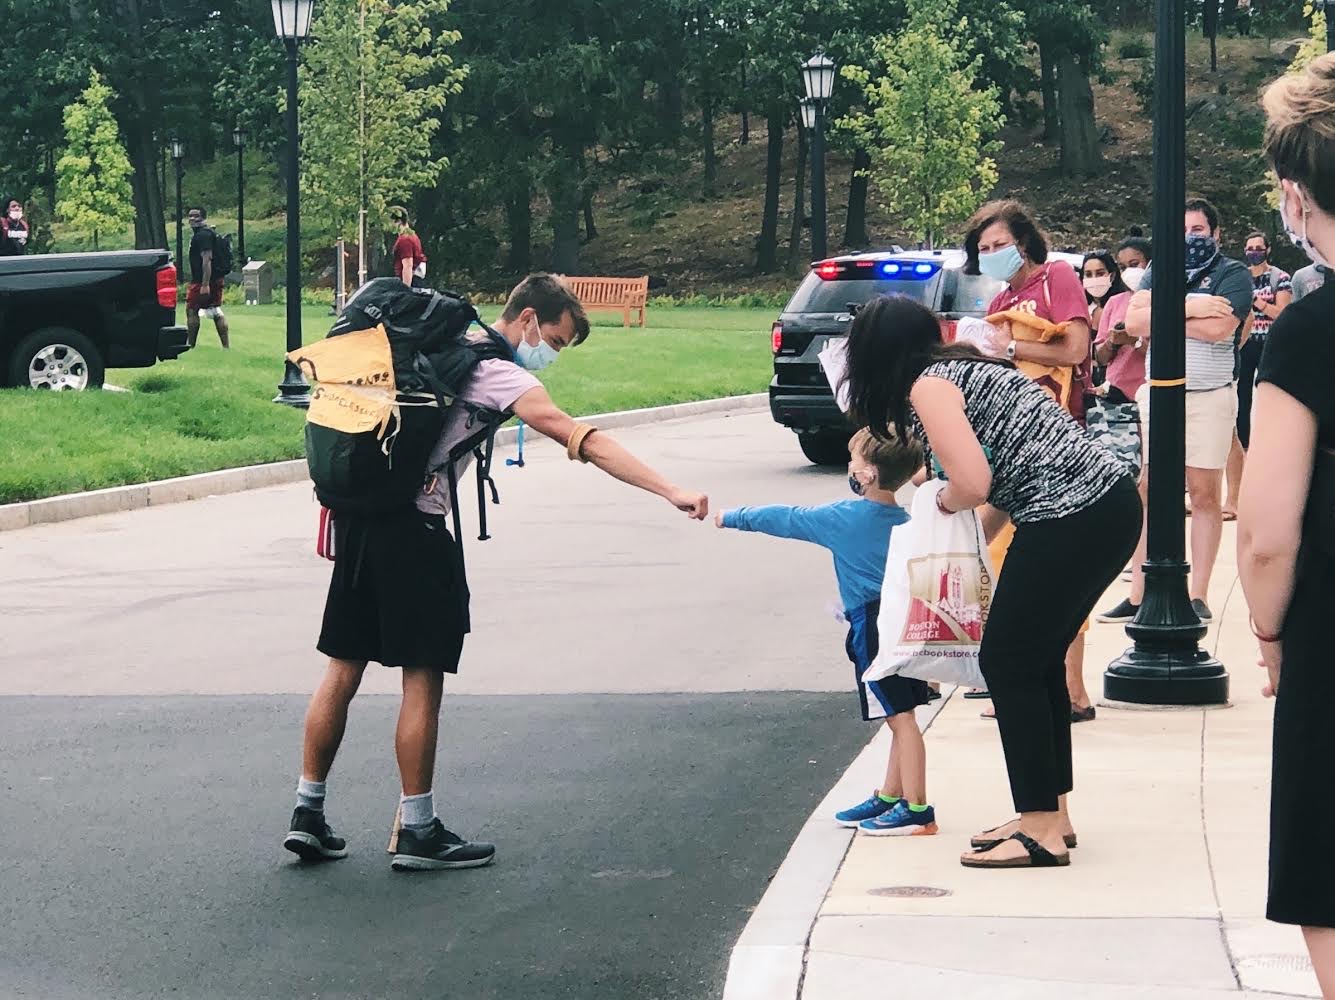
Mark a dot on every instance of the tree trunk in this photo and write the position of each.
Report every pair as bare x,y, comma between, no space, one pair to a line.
767,247
146,184
1048,86
590,230
746,115
519,224
563,191
710,154
855,225
799,205
1210,25
1080,136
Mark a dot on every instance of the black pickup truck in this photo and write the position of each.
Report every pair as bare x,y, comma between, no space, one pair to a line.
66,318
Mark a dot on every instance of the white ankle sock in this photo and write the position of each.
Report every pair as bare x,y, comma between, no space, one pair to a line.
310,795
417,811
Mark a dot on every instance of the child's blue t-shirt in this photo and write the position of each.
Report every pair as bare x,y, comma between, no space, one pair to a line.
857,533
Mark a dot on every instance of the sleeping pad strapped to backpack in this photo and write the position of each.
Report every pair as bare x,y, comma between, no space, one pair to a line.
388,374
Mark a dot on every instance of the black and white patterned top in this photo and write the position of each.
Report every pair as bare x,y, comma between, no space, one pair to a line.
1043,465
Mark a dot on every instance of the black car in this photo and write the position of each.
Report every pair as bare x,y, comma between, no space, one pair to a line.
823,307
66,318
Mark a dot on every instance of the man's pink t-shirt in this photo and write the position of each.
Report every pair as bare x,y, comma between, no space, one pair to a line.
496,385
1126,371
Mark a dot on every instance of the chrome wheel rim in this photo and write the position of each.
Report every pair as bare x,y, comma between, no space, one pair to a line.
58,367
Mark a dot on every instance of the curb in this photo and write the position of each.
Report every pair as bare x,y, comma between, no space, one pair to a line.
251,477
769,960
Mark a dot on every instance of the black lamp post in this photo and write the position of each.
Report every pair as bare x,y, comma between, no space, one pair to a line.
178,155
292,22
239,141
818,79
1166,666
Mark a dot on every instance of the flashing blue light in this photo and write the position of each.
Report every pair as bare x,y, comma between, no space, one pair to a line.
924,268
890,268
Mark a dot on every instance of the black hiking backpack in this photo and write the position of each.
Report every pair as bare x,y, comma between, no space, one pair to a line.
223,258
375,473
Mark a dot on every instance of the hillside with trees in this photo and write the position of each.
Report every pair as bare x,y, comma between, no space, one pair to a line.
657,136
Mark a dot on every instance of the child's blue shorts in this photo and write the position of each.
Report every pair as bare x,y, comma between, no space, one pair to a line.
890,695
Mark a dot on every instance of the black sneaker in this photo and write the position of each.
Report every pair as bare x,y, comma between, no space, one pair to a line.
312,839
1202,610
1124,612
437,848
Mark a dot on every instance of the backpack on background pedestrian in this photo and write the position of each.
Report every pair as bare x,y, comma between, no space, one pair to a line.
1307,280
16,233
857,534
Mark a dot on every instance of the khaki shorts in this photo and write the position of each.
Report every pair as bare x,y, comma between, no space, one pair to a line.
1211,418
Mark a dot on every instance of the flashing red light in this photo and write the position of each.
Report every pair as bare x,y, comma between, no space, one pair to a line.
949,328
866,263
776,337
167,286
827,270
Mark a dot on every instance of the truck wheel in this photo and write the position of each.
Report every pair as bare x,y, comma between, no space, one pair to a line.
825,447
56,357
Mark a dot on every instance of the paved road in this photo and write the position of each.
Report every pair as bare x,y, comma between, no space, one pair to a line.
646,713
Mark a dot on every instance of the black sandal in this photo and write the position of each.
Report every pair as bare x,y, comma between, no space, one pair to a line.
986,843
977,694
1038,856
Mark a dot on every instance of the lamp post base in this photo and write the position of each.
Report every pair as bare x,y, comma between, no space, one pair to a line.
1161,676
1166,666
294,390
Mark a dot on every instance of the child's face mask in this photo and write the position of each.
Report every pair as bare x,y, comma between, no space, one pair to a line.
860,476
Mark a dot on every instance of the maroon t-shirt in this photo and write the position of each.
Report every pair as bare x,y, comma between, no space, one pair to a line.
407,247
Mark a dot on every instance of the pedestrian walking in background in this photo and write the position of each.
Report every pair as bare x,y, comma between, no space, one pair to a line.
1286,533
204,296
1218,311
16,231
857,533
1004,242
1272,292
409,258
1003,443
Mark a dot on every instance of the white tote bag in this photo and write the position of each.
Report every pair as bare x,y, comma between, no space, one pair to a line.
936,596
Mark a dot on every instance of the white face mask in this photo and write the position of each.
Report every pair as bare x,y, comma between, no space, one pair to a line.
1098,287
16,213
1133,276
536,358
1300,240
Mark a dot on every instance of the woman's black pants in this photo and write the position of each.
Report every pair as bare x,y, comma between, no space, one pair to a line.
1053,575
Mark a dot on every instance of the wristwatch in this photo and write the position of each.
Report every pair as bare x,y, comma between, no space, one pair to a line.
1010,351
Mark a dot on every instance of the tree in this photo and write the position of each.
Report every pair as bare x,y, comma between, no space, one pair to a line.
93,172
1070,37
373,92
929,126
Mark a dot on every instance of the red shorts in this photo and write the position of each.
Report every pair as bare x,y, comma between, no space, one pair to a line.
195,299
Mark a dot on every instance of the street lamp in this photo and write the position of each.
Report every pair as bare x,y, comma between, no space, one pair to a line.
818,79
178,155
239,140
1166,666
292,23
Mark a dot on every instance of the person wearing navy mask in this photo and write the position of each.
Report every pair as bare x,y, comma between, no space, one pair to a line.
1218,318
16,232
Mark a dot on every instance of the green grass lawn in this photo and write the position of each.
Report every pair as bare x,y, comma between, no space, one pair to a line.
212,410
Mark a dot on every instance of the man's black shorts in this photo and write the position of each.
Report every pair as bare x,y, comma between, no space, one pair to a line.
398,594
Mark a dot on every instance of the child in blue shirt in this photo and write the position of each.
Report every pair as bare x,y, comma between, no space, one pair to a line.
857,533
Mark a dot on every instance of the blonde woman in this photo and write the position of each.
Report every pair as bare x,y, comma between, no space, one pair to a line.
1286,521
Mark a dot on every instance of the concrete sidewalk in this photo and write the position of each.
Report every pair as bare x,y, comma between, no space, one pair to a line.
1165,897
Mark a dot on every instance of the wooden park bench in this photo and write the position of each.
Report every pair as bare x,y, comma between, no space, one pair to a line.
624,294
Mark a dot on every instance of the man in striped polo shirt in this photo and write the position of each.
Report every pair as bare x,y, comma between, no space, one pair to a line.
1219,306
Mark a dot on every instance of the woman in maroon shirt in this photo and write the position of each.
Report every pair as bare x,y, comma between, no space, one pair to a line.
14,240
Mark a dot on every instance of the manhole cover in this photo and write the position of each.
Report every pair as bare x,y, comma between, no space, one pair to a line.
1278,963
911,891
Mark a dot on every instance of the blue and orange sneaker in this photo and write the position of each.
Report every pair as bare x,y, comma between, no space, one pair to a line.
901,821
870,809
